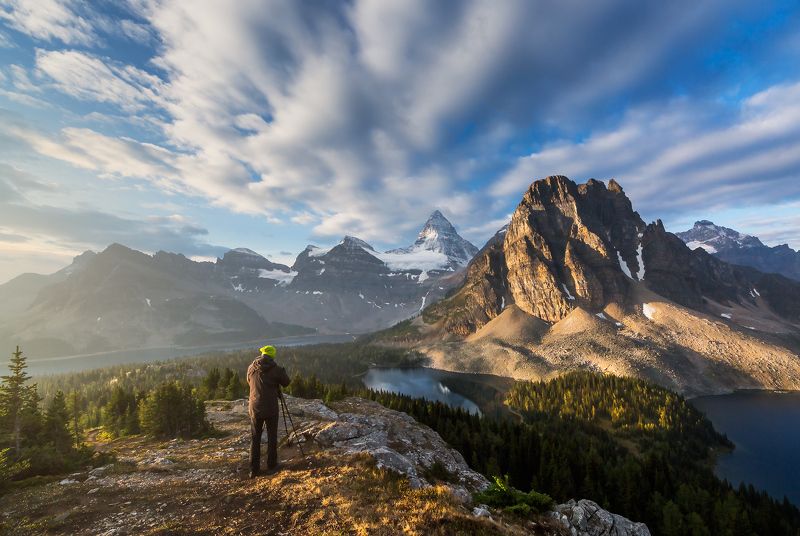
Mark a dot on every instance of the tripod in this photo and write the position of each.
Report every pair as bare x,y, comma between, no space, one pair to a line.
285,411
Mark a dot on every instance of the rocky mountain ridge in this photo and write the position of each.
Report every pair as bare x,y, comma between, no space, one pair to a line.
736,248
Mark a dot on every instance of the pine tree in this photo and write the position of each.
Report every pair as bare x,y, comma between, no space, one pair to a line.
172,410
16,398
56,422
75,407
235,390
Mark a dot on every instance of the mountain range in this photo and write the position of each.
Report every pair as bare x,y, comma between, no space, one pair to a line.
737,248
578,280
122,299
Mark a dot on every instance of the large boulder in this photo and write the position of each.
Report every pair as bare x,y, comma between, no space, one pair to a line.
586,518
395,440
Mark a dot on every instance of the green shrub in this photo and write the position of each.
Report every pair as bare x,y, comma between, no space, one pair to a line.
501,494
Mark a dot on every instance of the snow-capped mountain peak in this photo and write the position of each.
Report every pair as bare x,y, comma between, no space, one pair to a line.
714,238
439,236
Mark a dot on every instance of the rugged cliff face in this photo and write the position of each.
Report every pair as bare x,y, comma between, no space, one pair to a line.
571,245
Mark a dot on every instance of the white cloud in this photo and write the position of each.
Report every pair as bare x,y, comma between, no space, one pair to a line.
91,78
48,20
139,33
20,79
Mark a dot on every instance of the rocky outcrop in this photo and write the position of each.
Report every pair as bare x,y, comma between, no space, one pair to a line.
586,518
571,245
395,440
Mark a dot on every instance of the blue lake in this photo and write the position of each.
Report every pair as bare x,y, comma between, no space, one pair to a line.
765,426
419,383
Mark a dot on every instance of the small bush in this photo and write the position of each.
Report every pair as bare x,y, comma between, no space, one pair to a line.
501,494
438,472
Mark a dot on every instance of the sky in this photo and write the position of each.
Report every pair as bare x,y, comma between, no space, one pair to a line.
200,126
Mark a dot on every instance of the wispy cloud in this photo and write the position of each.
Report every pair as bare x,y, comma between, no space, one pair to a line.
49,20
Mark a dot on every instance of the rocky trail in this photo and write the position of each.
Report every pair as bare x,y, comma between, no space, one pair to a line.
366,470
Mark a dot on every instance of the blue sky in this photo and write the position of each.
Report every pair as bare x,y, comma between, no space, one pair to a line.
199,126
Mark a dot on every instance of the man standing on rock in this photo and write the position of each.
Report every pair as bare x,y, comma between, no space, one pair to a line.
265,378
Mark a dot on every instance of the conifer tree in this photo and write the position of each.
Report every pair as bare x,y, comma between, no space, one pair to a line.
235,389
17,400
75,406
56,422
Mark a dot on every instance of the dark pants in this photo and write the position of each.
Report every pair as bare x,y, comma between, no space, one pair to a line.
256,428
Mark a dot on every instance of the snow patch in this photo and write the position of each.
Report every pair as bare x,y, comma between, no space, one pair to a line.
601,315
283,278
503,303
423,260
148,302
314,251
566,291
245,251
421,307
640,260
238,288
422,276
360,295
726,315
756,292
624,266
648,310
694,244
317,292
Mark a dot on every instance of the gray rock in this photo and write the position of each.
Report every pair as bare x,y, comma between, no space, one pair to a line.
395,440
481,511
586,518
99,471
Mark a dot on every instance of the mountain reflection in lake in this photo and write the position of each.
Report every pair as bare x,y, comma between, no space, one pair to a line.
418,383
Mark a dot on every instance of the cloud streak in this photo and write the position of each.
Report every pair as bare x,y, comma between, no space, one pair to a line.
678,158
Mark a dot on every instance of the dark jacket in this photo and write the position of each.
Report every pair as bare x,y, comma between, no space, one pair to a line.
265,378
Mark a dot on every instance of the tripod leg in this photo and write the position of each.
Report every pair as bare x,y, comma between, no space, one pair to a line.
285,425
300,446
